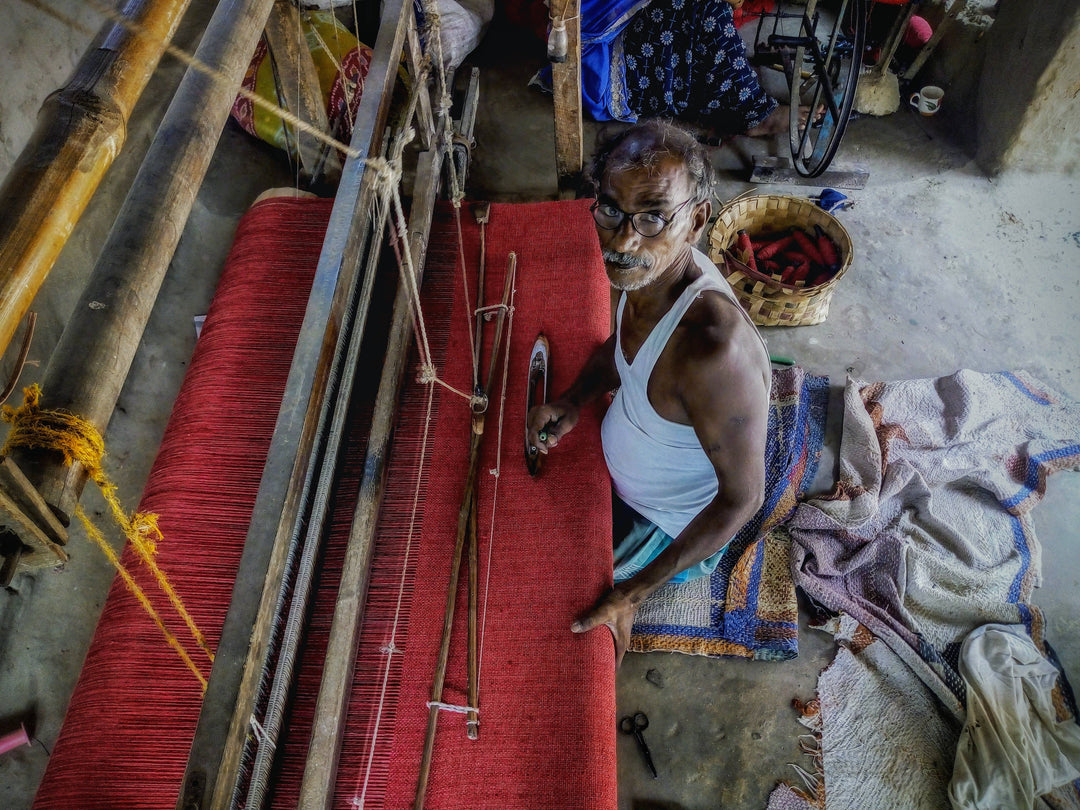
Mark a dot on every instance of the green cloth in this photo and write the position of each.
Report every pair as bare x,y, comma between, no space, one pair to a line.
638,542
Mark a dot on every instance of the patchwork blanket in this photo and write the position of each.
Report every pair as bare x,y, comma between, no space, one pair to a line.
927,537
747,607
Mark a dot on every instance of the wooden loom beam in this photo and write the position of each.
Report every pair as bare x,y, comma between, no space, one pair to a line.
297,83
317,786
566,86
214,762
320,769
90,364
80,129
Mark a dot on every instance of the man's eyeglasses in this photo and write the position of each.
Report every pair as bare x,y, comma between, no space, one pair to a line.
647,223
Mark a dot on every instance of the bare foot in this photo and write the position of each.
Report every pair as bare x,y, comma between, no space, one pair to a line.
776,123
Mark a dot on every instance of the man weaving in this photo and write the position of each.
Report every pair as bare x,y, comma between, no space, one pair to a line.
684,437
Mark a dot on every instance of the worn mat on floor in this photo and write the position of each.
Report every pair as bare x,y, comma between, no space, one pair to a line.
747,607
125,739
927,537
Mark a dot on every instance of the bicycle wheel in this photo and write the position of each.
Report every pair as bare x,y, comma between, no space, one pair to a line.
823,76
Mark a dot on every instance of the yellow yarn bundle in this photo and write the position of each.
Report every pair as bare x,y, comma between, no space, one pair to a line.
79,441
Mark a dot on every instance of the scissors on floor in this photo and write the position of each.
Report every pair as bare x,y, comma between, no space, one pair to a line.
635,724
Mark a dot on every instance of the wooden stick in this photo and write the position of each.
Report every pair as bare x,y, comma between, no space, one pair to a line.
465,515
472,723
500,319
481,213
927,49
298,83
80,130
415,59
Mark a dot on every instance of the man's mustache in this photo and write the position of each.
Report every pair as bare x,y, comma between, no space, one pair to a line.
626,261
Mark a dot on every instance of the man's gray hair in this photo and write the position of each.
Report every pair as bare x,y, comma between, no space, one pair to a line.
645,144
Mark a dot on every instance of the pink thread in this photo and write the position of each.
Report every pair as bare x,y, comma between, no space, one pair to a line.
14,739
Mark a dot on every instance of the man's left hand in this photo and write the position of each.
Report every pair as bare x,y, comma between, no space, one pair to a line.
616,611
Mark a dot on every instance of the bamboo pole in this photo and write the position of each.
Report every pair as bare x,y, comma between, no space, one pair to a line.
88,368
80,129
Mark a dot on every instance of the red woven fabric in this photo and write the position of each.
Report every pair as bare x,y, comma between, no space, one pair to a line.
546,697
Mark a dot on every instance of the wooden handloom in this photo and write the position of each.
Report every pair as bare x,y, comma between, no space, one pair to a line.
336,309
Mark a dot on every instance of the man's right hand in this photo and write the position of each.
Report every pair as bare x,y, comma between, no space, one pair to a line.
554,420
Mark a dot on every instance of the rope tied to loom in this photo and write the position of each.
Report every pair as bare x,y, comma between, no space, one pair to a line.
506,308
428,375
79,441
387,171
65,432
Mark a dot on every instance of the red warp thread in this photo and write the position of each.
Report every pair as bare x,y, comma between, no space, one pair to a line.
546,696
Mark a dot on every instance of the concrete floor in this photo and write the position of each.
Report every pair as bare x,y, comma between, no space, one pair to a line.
952,270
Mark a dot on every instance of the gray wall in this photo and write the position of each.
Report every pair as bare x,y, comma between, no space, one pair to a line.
1027,110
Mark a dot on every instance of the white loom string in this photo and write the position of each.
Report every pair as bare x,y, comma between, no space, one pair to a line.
420,469
496,473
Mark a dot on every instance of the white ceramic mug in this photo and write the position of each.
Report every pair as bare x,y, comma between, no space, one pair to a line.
928,100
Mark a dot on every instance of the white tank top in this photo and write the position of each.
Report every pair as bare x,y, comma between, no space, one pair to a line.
657,466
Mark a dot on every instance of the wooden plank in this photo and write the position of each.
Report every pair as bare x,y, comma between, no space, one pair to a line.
297,83
18,489
214,761
769,169
566,84
317,788
14,521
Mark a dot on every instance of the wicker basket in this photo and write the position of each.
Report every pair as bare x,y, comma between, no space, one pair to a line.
769,302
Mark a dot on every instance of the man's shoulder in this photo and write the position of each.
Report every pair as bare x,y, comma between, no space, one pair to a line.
714,330
713,316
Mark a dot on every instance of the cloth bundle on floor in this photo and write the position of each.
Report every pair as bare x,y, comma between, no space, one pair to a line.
747,608
546,695
927,538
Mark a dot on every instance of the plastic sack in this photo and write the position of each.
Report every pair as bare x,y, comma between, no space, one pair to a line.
342,64
463,24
